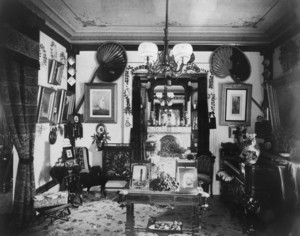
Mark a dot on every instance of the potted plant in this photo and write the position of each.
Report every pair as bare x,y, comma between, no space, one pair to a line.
101,137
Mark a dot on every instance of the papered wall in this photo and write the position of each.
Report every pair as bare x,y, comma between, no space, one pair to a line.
45,154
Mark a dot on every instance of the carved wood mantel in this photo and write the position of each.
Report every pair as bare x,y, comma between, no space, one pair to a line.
182,135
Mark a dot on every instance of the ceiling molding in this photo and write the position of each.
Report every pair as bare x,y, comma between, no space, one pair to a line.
265,24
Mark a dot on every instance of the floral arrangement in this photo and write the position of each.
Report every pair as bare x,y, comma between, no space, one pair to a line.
249,148
164,182
101,137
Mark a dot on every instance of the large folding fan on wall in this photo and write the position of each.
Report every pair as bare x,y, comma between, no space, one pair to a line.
112,61
229,60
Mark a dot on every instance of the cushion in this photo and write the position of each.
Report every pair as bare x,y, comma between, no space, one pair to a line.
205,178
48,199
116,184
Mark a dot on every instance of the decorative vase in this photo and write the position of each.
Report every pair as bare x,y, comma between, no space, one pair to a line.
250,154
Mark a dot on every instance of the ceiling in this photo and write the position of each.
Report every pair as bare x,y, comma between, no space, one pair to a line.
200,22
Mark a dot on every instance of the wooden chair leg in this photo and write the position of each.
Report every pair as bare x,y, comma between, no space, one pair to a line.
211,190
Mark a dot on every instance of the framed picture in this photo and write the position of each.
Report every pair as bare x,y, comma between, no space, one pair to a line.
187,178
100,103
232,131
236,104
68,153
56,107
45,104
66,106
55,71
140,176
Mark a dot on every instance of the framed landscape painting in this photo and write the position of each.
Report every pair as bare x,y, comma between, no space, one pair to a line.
100,102
45,104
236,104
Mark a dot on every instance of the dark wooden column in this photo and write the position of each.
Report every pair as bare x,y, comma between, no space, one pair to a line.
202,106
136,140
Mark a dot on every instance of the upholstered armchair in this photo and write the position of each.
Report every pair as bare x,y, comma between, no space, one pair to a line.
289,208
206,171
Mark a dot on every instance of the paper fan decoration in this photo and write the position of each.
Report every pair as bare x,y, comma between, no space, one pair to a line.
228,60
112,61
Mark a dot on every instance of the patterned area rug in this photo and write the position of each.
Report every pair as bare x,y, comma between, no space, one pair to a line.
105,217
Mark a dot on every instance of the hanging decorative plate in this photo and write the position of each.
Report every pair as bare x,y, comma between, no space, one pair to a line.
53,136
100,129
229,60
112,61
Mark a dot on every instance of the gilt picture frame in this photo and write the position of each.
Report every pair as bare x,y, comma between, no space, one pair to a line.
187,178
235,104
46,99
66,106
140,176
57,106
100,103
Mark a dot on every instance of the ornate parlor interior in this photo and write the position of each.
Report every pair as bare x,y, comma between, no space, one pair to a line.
131,100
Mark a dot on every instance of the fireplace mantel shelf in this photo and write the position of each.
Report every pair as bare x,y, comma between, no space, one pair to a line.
169,129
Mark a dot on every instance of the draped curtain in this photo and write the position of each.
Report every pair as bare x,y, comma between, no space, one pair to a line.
203,124
18,91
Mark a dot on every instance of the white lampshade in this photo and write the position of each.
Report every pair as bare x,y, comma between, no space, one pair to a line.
159,95
182,52
170,94
148,50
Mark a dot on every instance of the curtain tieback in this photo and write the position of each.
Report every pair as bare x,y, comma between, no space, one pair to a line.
26,161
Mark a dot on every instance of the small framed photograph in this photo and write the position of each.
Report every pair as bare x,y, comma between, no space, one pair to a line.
187,178
100,103
45,104
236,104
232,131
68,153
140,176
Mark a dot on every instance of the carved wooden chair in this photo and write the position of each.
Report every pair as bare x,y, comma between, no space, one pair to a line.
206,171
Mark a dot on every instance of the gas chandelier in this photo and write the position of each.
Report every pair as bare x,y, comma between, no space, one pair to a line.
165,63
165,98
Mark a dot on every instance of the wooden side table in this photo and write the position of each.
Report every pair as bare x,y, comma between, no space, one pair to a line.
172,199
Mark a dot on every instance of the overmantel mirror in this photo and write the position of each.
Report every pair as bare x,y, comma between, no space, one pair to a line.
165,112
168,101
